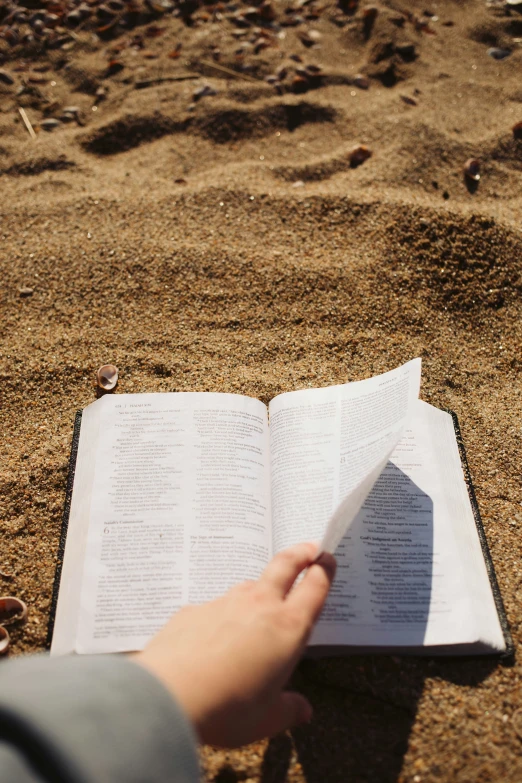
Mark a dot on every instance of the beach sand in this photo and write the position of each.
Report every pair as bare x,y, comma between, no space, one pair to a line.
226,244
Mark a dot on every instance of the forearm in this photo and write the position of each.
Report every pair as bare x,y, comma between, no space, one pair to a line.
84,719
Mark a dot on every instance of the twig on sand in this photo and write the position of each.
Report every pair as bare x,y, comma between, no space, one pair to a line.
230,72
27,123
142,83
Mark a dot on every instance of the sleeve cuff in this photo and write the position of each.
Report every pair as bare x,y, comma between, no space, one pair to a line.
95,719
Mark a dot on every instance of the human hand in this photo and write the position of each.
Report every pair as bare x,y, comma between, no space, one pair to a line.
227,661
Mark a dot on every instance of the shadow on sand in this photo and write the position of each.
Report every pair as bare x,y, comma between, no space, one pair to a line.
365,705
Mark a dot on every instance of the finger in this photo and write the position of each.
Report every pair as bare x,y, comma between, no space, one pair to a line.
309,596
282,571
291,709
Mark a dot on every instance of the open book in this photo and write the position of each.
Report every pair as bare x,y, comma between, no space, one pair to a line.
175,497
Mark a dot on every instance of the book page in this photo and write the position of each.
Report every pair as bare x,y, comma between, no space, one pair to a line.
410,568
327,448
180,511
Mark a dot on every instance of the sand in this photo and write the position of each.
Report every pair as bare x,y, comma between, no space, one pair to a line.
225,244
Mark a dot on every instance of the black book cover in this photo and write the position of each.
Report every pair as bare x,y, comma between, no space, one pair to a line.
65,524
507,654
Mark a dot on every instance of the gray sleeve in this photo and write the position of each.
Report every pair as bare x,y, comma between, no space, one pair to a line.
91,719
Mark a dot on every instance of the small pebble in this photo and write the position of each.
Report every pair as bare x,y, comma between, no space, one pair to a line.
358,155
406,50
24,292
472,169
517,130
361,81
498,54
202,92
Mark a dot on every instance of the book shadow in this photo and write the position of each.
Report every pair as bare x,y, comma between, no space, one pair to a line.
365,705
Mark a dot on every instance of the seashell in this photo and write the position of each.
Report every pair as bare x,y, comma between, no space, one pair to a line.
370,12
267,11
114,67
251,13
85,10
309,38
361,81
202,92
498,54
406,50
517,130
6,77
300,84
66,116
513,3
154,31
25,292
50,125
408,100
472,169
74,17
240,20
12,610
358,155
271,79
71,109
107,377
160,6
11,36
4,640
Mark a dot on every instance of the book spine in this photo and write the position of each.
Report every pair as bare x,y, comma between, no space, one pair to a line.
508,655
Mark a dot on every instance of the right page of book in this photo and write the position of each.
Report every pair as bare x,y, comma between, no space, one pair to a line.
411,572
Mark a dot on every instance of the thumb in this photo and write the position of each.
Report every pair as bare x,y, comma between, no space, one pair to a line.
289,710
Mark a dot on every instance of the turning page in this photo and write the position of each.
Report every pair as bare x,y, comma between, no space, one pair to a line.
327,449
172,507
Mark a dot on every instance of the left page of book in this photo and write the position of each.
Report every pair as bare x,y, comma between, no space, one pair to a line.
171,505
